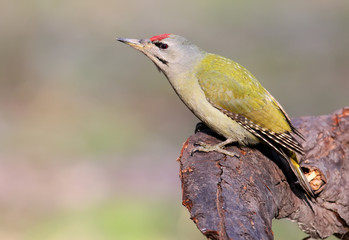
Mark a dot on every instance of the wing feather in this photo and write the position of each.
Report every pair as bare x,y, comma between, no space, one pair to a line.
238,94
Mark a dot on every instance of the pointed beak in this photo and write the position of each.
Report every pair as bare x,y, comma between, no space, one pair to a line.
138,44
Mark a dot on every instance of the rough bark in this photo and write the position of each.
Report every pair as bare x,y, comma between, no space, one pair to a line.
237,198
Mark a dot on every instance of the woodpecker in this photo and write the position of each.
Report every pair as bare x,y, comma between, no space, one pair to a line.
226,97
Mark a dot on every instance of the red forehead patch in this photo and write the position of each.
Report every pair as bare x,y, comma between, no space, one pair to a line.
159,37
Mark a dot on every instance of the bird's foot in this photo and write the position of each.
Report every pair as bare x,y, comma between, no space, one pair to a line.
203,147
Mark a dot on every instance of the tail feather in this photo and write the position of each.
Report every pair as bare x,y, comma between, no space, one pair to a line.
303,181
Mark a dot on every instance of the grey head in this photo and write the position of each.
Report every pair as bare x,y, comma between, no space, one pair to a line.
172,54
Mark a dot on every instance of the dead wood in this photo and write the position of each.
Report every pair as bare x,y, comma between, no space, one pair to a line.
237,198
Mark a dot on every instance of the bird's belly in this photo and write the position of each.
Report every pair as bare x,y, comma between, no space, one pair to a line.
194,98
222,124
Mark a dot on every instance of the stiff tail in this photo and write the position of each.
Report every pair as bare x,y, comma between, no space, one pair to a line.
303,181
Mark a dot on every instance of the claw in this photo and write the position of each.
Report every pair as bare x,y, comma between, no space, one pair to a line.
203,147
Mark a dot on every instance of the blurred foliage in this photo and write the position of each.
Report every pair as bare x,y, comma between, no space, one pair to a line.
88,125
125,220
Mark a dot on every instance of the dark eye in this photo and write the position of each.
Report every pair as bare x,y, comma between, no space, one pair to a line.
161,45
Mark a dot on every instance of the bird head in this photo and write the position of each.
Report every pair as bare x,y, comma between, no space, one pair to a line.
171,53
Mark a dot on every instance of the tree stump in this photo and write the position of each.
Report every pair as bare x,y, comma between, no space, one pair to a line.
237,198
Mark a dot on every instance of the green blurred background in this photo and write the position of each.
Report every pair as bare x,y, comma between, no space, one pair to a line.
90,131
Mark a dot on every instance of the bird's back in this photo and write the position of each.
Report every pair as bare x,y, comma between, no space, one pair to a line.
231,87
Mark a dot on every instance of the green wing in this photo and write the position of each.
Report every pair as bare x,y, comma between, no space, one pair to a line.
236,92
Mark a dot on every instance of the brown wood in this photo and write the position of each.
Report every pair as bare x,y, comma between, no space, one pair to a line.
237,198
